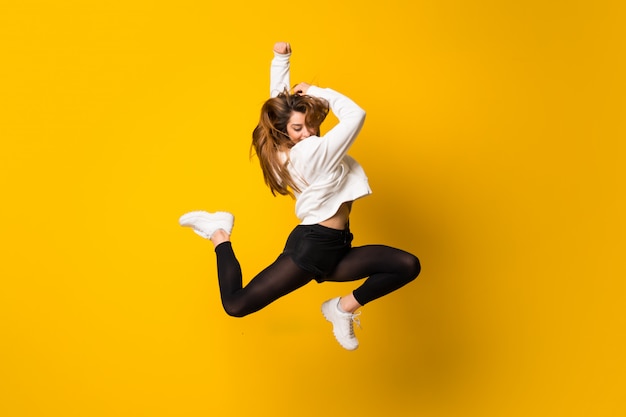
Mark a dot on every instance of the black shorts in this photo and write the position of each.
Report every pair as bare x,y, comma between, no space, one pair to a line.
318,249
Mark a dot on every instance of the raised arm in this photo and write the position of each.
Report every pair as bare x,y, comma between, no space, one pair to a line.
279,70
326,152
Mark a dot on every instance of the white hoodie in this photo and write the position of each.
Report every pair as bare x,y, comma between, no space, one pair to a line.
320,166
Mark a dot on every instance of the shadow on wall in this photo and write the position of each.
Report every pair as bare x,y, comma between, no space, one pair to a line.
426,347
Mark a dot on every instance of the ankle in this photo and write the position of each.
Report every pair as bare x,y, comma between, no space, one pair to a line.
349,304
219,236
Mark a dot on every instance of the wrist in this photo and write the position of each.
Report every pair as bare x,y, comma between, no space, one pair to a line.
282,55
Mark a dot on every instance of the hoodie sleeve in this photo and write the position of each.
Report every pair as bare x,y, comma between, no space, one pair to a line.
324,153
279,74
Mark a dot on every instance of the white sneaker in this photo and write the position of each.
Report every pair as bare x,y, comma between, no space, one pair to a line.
343,328
205,224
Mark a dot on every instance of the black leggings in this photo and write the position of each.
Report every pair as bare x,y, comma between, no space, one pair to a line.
387,268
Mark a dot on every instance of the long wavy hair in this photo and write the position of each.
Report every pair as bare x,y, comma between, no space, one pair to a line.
270,139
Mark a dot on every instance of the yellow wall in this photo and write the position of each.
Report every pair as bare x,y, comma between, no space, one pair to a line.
494,145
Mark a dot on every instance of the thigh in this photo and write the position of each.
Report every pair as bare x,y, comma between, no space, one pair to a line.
280,278
364,261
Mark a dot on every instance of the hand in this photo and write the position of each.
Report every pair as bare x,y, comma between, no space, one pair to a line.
282,48
301,88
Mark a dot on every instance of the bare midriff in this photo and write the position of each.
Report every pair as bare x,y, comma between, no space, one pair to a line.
340,219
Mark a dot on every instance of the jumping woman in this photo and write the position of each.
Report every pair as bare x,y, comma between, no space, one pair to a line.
315,169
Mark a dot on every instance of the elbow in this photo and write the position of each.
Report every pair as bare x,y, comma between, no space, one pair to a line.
361,118
357,117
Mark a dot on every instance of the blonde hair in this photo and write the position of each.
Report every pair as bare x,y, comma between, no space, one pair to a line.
270,138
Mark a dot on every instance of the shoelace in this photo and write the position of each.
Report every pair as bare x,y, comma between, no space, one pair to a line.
355,319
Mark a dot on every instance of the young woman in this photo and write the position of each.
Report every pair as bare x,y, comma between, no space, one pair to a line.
296,160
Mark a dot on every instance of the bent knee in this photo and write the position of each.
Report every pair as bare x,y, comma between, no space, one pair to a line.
234,311
412,266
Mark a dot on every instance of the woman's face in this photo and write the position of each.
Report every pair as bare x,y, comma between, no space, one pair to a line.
296,127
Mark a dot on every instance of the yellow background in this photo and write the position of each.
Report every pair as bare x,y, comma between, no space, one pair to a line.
494,145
